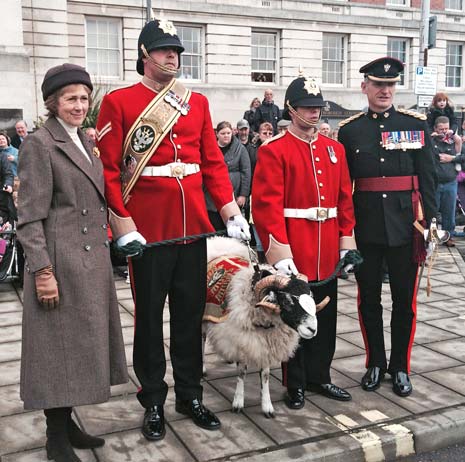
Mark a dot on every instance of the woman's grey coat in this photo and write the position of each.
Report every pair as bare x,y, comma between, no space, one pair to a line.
70,355
238,162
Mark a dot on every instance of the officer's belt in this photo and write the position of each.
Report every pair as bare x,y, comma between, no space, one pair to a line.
173,170
387,183
312,213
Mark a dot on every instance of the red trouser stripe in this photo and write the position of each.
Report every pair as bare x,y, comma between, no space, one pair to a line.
414,321
362,328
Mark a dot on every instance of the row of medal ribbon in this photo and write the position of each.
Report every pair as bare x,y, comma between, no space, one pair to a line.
176,101
413,139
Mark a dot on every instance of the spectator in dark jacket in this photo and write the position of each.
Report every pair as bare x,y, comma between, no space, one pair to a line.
442,106
267,112
237,160
21,133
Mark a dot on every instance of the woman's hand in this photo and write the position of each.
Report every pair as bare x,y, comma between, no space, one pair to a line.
47,288
240,201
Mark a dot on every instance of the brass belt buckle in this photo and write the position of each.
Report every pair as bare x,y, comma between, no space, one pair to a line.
178,171
322,213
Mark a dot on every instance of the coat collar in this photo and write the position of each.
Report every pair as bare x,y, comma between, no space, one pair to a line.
68,147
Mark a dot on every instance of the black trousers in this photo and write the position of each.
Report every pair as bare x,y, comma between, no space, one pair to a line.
178,271
403,281
312,360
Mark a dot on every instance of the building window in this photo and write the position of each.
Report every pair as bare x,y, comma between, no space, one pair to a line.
454,65
264,56
397,48
454,5
333,58
396,2
191,58
103,47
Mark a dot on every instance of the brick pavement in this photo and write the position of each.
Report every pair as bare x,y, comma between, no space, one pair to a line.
373,427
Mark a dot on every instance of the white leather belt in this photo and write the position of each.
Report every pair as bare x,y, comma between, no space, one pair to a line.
174,170
312,213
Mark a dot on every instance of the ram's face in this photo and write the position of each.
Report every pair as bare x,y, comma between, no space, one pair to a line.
298,309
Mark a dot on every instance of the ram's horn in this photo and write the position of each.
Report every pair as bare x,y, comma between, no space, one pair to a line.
322,304
302,277
264,303
274,280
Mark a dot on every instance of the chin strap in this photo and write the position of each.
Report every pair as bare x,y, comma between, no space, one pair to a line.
162,68
301,118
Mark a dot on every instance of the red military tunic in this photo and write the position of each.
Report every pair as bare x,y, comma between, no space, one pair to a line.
163,207
298,174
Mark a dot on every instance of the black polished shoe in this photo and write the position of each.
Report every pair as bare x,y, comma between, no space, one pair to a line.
330,391
153,427
372,378
295,398
199,414
401,384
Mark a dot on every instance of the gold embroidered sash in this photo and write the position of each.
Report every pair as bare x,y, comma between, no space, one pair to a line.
149,130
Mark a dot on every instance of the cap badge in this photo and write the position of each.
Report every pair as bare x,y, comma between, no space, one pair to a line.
167,26
311,87
387,67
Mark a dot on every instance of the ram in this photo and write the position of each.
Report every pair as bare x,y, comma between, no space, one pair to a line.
254,317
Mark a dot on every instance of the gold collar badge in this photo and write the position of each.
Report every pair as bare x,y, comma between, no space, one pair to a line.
311,87
167,26
96,152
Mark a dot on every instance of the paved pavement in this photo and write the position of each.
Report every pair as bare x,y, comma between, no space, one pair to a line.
373,427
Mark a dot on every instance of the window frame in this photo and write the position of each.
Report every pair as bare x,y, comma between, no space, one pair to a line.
448,8
460,66
201,54
405,60
119,49
275,33
345,45
393,3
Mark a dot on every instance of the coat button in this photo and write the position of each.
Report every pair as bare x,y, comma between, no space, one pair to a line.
84,230
382,159
85,211
174,135
104,226
87,248
317,159
102,208
106,244
319,172
384,196
322,198
320,185
178,146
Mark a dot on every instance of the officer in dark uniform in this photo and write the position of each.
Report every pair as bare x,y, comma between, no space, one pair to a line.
391,161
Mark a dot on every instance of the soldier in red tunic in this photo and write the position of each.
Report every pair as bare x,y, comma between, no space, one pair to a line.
302,206
158,148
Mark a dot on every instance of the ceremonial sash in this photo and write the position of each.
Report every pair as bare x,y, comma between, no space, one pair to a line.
149,130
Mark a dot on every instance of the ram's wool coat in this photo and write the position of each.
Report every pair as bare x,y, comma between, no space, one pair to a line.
72,354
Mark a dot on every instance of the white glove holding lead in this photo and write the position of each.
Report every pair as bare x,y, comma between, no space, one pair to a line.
286,267
130,237
238,228
348,268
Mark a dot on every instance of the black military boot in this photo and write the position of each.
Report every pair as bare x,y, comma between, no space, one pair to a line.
58,446
79,439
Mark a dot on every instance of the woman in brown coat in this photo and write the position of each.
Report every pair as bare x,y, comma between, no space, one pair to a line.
72,348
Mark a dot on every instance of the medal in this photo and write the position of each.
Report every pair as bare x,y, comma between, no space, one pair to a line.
332,154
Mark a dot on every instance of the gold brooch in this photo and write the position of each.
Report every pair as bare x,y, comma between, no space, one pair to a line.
96,152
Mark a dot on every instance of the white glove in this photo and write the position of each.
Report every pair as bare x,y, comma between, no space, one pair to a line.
129,237
286,267
238,228
348,268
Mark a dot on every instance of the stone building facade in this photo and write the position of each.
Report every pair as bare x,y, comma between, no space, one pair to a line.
234,50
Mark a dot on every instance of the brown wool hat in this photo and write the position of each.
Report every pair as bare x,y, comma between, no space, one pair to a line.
65,74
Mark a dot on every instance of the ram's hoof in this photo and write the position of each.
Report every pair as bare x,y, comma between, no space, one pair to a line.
269,415
236,410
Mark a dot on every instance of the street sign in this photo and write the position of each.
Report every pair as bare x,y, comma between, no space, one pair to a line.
424,100
426,79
